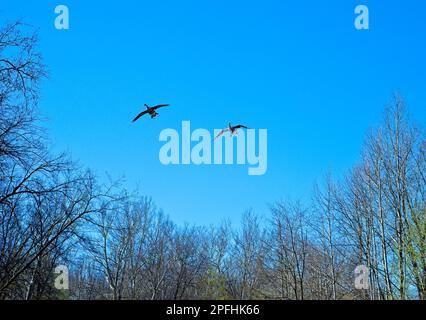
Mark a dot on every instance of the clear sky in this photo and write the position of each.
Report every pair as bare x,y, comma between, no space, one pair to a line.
297,68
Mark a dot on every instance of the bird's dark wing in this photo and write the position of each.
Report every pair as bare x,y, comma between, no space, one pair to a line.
140,115
240,126
158,106
222,132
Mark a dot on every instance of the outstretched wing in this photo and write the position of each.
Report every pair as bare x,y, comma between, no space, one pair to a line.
158,106
240,126
221,133
140,115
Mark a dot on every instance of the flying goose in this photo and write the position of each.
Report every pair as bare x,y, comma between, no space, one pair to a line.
231,129
150,110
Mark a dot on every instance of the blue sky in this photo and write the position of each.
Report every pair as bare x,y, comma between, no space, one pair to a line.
297,68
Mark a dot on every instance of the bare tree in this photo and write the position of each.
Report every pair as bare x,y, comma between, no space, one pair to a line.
43,198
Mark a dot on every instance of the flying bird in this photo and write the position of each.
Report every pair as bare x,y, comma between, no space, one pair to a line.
150,110
231,129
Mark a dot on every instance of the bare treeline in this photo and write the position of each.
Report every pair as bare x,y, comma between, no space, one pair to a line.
120,246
